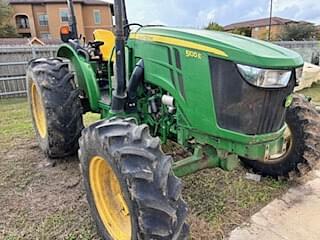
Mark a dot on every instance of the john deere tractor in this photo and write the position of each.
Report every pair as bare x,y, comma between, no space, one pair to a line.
223,97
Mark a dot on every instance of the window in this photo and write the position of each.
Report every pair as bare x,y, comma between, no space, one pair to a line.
97,16
22,22
43,20
64,15
45,36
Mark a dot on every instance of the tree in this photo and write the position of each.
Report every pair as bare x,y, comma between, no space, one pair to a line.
6,28
213,26
298,32
317,32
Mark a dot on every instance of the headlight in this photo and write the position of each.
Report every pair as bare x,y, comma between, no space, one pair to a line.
265,78
299,73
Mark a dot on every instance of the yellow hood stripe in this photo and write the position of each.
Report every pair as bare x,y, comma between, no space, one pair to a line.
177,42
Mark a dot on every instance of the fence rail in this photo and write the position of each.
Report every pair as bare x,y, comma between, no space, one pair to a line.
13,63
299,44
307,49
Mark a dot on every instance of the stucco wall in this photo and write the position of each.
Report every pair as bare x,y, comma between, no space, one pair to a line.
263,32
25,9
89,24
53,11
38,10
84,14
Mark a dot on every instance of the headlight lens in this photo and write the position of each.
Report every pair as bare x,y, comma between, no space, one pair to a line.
299,73
265,78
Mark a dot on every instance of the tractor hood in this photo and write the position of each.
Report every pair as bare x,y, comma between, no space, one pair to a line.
229,46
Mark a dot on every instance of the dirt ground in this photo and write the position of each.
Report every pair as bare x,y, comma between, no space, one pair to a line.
41,200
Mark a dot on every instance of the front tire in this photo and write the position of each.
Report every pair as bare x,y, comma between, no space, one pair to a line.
303,153
126,172
55,106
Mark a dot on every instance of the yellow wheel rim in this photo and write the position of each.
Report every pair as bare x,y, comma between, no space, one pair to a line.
38,111
109,200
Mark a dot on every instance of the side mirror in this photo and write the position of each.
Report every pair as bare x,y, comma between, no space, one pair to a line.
65,33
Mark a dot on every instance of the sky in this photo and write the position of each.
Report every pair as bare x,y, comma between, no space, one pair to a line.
197,13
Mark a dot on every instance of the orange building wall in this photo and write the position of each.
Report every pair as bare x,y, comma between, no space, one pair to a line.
38,10
84,16
25,9
53,11
90,26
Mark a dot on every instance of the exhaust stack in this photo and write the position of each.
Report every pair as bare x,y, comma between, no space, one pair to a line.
72,21
119,96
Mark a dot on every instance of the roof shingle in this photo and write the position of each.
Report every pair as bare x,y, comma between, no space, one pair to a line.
259,23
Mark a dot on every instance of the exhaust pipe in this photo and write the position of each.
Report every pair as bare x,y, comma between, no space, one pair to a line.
119,96
72,21
125,21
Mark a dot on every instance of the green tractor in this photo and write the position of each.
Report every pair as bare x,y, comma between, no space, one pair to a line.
226,98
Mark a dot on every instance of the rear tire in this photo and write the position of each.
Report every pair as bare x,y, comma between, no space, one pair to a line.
303,121
55,106
151,192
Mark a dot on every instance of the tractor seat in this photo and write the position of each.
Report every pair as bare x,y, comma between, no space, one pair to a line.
108,38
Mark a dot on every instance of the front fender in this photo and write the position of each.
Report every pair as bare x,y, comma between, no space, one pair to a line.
86,78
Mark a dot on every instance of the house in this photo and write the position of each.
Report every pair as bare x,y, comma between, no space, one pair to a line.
43,18
259,28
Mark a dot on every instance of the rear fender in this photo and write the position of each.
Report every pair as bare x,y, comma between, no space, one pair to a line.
85,74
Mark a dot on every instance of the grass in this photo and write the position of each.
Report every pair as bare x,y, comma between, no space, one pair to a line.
60,225
218,200
15,120
90,118
313,92
224,200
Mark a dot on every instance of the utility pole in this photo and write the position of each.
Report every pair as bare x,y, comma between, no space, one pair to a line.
270,20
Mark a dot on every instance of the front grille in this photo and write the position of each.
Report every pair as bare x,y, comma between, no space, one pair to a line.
242,107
